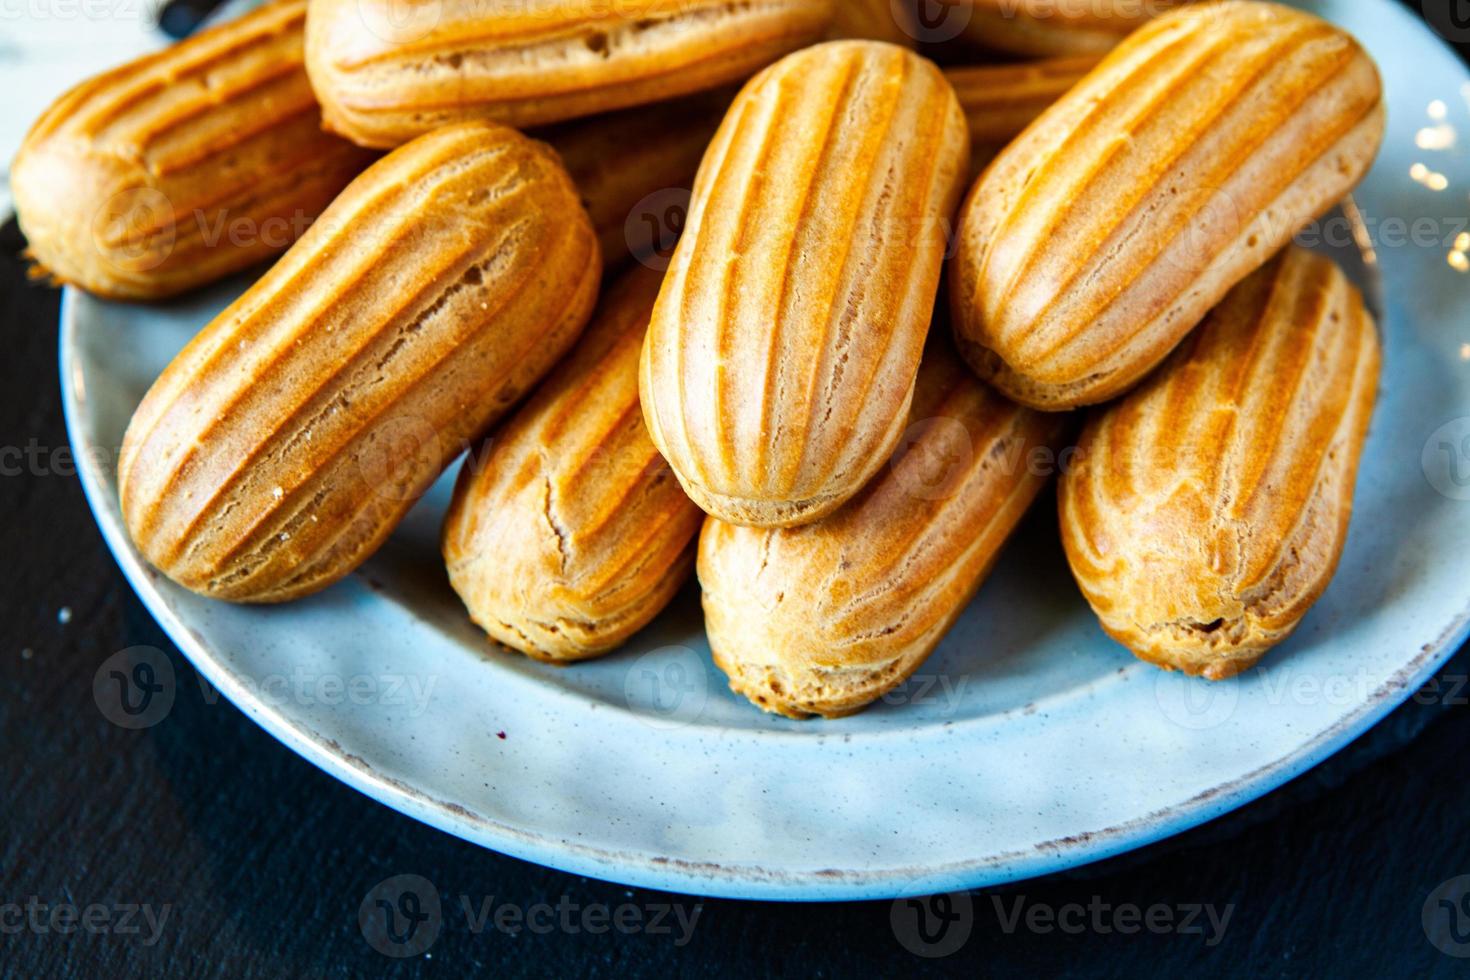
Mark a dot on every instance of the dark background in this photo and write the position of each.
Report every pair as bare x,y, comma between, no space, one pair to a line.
262,861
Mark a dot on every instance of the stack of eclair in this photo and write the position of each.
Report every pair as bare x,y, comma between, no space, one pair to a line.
896,289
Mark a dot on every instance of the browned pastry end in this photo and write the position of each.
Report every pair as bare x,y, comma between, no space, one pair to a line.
386,72
1098,239
286,441
827,618
781,358
1207,511
569,533
183,166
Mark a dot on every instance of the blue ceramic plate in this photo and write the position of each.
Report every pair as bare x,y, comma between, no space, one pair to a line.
1029,743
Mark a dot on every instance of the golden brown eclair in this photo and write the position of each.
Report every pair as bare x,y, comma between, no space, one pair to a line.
286,441
386,73
569,533
623,159
781,358
1097,240
184,166
875,20
1000,101
1207,510
1054,28
824,619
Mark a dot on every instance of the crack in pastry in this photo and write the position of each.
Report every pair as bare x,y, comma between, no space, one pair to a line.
1207,511
569,533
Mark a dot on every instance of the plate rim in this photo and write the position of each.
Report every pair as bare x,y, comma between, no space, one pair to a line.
717,880
741,881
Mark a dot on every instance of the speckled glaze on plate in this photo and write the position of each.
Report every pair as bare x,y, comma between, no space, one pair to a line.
1029,743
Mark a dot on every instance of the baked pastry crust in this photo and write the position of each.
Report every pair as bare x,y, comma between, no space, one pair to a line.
386,72
1207,511
623,159
1098,239
179,168
569,533
286,441
827,618
894,21
1000,101
1058,28
780,362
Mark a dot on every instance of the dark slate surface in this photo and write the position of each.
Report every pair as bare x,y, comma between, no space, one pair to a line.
252,863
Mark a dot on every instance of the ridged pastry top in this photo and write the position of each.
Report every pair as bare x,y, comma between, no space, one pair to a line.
1207,510
1002,100
823,619
1187,158
183,166
782,354
571,533
284,442
620,159
386,71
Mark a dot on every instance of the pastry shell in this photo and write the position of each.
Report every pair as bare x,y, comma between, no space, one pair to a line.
285,442
1097,240
1206,512
781,358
